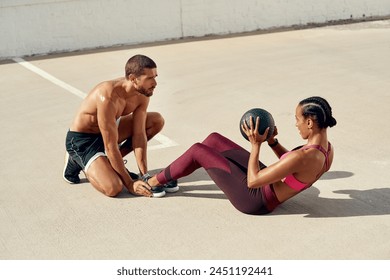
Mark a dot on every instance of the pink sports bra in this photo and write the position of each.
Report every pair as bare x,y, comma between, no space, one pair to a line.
293,182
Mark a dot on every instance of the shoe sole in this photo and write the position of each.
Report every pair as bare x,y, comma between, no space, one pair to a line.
63,171
69,182
172,189
159,194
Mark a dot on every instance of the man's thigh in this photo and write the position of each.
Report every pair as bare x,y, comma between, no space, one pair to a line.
125,127
126,123
102,176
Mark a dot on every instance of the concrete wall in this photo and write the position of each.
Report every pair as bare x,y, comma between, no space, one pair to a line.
29,27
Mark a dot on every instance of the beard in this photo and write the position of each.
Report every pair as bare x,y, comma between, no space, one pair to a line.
146,92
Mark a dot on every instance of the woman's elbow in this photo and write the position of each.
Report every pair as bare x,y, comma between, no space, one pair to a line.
255,184
251,184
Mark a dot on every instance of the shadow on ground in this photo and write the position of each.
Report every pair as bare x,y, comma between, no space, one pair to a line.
353,202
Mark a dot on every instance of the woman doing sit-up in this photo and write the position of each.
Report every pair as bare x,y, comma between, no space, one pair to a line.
250,186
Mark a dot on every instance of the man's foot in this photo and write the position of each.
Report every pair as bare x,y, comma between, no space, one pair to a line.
71,170
133,175
171,186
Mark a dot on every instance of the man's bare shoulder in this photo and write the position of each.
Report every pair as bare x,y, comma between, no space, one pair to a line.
105,88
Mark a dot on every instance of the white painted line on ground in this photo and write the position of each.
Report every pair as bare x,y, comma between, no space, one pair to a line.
165,142
202,191
198,183
49,77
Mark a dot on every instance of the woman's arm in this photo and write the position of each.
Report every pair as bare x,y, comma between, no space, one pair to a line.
256,177
276,147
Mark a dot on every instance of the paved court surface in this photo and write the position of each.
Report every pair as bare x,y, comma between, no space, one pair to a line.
204,86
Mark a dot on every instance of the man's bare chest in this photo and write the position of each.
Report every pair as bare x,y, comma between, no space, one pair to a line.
125,107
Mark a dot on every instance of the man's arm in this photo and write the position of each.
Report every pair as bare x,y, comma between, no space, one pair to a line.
139,139
106,114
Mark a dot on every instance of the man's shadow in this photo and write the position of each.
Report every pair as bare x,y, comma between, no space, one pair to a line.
371,202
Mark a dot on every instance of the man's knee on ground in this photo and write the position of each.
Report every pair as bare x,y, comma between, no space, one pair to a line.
112,189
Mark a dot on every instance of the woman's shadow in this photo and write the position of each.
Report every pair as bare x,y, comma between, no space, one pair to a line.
370,202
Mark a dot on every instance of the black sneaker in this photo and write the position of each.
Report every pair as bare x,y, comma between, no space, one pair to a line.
133,175
71,170
157,191
171,186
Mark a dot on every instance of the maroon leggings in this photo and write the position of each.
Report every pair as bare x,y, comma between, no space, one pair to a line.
227,165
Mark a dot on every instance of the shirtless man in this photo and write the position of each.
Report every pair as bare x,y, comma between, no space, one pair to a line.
111,122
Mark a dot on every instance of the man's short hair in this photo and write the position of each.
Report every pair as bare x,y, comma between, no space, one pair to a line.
136,65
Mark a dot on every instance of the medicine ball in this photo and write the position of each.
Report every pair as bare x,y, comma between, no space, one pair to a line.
266,120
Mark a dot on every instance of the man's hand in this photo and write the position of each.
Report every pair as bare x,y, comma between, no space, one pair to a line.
140,188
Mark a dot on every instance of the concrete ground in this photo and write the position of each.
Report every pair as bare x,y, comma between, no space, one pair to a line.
204,86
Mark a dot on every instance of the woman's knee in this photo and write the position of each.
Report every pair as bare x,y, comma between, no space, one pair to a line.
214,135
212,138
196,147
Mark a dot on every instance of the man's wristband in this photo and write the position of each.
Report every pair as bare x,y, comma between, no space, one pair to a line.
146,177
274,143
